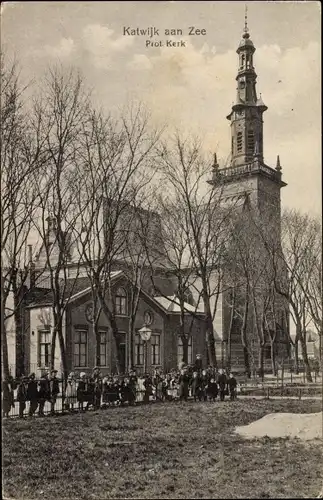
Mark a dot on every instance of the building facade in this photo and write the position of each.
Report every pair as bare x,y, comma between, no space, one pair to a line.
248,183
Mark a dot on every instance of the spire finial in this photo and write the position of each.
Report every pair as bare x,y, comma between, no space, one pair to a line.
278,165
246,19
245,29
215,162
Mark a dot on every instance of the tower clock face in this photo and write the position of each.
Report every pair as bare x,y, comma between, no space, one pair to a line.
148,318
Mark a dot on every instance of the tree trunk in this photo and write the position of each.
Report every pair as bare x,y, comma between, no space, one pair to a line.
4,345
131,356
20,362
63,351
305,359
97,341
296,357
244,339
52,349
273,358
209,328
184,339
229,337
210,340
261,361
247,361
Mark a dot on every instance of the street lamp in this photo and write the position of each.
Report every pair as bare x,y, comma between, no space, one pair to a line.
145,334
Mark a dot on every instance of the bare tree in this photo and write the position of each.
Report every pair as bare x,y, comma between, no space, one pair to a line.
291,266
186,173
21,158
57,119
175,259
117,164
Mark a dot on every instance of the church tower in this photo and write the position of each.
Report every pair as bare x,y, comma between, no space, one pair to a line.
248,183
247,174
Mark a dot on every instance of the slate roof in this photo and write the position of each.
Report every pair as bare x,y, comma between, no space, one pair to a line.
171,304
73,287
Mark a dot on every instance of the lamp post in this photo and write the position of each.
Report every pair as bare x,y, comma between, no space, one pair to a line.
145,334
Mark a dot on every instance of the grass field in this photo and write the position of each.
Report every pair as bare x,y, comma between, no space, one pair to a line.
170,450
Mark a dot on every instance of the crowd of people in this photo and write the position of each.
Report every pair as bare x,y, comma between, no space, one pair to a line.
85,391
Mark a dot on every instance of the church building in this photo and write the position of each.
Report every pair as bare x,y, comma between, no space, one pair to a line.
247,179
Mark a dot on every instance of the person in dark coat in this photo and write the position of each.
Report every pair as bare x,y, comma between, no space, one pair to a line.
96,375
81,390
90,393
222,382
212,389
54,390
22,395
232,385
198,365
195,384
204,383
43,393
133,386
116,391
183,385
148,385
125,391
8,398
32,394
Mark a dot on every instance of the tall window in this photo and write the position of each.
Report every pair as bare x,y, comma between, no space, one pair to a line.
121,302
139,350
239,142
251,141
44,348
155,349
180,351
80,348
103,348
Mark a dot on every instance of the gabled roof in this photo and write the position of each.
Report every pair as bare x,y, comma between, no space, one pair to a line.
171,304
74,288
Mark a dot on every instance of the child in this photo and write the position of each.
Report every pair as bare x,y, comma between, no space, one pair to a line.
183,385
232,385
148,388
22,395
196,391
8,400
90,393
212,390
204,384
81,391
70,392
96,375
43,393
105,392
32,394
54,391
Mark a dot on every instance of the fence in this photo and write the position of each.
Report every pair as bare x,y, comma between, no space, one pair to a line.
59,405
259,391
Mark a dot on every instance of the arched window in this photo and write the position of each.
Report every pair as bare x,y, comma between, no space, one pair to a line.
239,142
121,302
251,141
242,60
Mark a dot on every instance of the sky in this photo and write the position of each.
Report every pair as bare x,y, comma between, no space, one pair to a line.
192,87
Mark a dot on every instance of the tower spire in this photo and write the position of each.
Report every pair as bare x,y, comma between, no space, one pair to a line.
246,29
